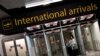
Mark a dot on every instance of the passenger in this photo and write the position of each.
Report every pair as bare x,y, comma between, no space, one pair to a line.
72,47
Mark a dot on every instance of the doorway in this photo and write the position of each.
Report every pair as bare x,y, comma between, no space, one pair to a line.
15,47
55,41
40,45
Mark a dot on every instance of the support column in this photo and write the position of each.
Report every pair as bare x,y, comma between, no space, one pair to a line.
36,48
95,32
79,40
63,43
88,39
30,46
47,44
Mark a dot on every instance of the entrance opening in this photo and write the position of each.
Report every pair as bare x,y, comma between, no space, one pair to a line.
55,42
70,42
40,45
69,37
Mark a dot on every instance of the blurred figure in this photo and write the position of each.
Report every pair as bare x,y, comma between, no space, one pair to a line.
71,46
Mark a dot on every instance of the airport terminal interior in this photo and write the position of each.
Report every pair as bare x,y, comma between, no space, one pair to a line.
69,36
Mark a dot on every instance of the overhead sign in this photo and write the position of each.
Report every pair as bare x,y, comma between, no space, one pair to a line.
18,24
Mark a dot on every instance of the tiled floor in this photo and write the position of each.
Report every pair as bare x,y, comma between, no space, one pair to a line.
93,53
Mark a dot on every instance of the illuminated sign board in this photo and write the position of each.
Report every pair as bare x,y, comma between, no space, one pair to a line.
18,24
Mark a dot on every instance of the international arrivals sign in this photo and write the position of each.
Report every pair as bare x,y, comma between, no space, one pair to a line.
18,24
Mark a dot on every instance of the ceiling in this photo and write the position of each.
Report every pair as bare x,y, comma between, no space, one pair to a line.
16,7
9,4
12,7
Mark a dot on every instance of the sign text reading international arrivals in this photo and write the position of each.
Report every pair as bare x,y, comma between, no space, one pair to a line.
13,25
53,15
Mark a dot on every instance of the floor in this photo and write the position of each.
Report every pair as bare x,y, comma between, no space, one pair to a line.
93,53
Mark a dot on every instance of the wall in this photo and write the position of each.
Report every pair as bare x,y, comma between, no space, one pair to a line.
1,49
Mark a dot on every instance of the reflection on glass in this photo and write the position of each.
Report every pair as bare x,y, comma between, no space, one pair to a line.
21,47
51,24
65,21
72,19
34,27
85,17
68,20
55,43
10,48
40,45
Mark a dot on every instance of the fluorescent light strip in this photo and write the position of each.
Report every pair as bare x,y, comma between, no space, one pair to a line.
33,4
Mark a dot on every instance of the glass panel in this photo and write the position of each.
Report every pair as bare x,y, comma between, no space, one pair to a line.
40,45
21,47
87,39
10,48
91,39
55,42
70,42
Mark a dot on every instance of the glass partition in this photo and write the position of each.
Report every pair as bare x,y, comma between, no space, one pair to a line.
55,42
40,45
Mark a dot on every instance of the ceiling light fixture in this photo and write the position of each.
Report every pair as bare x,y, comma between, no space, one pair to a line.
44,2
